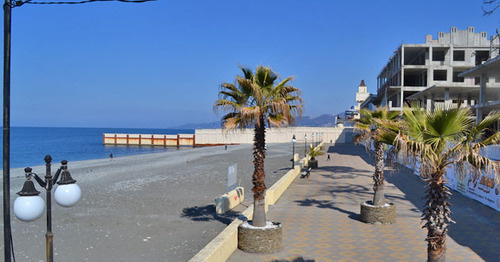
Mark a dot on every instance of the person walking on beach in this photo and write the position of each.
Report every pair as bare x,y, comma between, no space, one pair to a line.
111,157
328,158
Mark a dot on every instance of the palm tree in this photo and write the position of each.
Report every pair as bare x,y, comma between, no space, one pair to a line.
258,99
369,128
313,153
439,139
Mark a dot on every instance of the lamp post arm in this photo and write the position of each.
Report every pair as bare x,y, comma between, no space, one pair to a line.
56,176
39,180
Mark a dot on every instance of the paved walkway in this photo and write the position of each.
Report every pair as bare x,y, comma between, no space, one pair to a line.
320,218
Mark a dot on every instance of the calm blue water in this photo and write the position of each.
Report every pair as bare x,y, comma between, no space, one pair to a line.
29,145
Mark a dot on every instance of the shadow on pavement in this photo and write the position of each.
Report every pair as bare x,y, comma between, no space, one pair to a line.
327,204
477,225
297,259
353,150
207,213
341,172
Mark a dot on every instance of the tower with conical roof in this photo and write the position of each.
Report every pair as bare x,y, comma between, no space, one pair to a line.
361,95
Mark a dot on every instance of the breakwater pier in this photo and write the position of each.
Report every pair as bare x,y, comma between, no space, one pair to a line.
149,139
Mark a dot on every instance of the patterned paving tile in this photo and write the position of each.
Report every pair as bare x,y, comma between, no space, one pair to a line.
320,219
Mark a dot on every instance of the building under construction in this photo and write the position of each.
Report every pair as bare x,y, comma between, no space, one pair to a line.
431,73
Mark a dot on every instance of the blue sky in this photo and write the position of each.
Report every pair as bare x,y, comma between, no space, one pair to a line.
160,64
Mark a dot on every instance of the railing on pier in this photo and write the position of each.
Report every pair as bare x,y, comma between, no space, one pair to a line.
149,139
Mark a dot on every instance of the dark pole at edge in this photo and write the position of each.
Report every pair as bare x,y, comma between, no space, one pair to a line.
6,132
49,235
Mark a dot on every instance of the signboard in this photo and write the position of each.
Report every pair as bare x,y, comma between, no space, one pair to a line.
232,175
482,186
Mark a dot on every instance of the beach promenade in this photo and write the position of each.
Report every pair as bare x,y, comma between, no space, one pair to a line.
320,217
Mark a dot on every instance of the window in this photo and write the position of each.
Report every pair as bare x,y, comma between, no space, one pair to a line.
440,75
459,55
456,78
481,56
438,54
414,55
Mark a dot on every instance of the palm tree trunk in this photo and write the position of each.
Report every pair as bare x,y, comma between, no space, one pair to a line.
259,176
378,176
437,217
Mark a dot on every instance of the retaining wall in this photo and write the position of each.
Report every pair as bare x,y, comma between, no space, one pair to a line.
275,135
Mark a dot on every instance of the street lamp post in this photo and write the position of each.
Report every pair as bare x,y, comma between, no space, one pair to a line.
293,151
313,141
7,233
7,7
305,145
29,205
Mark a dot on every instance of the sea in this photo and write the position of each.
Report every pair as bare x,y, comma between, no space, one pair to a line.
30,145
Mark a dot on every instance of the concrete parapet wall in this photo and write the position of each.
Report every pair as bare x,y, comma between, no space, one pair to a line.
274,135
224,244
276,190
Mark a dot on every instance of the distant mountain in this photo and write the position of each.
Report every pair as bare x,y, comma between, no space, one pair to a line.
211,125
326,120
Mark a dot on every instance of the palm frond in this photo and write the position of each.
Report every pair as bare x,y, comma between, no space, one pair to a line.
479,131
247,72
276,120
315,151
258,94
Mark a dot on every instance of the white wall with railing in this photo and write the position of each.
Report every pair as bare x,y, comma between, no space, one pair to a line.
275,135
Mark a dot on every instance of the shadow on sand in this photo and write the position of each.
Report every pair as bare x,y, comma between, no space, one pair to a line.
207,213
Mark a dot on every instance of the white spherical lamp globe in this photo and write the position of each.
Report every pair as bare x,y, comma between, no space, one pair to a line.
67,195
28,208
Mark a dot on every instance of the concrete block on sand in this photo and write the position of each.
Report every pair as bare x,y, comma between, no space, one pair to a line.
229,200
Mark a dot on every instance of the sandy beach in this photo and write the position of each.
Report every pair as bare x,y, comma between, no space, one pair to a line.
154,207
